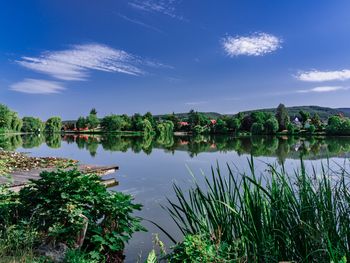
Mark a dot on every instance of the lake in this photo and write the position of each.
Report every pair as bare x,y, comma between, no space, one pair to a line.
149,166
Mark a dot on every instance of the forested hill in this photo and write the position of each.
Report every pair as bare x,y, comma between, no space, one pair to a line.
323,112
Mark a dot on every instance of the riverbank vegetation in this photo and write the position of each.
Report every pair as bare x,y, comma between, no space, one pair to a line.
240,124
65,215
269,217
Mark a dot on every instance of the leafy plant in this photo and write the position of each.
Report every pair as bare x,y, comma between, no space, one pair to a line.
271,218
62,203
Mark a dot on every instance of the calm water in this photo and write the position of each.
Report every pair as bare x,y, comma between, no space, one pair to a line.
149,166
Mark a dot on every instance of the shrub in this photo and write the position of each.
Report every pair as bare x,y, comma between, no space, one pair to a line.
257,129
59,204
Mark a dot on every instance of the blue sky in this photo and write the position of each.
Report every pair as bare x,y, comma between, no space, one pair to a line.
63,57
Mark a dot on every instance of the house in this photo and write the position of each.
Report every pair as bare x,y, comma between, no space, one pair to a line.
183,123
297,122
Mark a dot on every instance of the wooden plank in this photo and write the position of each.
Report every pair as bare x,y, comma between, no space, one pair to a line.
19,179
109,182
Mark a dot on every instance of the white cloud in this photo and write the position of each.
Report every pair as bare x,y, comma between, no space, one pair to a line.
37,86
140,23
320,76
323,89
257,44
195,103
165,7
75,63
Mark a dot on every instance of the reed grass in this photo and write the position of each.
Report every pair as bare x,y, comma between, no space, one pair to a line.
270,217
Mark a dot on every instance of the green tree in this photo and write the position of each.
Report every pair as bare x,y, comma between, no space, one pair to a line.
16,122
53,125
137,123
81,123
290,128
93,111
112,123
282,117
246,123
5,117
220,126
174,119
271,126
147,127
312,129
257,129
151,119
233,124
126,122
304,116
92,121
33,125
316,121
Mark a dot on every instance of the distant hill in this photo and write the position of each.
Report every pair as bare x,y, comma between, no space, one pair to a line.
323,112
211,115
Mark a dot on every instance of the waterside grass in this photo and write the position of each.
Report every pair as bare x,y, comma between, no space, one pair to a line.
269,217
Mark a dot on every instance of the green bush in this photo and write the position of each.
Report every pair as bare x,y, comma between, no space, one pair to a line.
58,205
257,129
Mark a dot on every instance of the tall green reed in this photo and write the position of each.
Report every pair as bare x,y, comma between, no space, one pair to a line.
272,216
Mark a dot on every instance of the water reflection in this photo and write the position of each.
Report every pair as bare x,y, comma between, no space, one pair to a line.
280,147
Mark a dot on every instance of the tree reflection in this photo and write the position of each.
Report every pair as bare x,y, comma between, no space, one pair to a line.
281,147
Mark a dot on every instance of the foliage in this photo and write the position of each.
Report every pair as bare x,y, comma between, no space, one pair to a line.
147,127
304,116
198,249
271,126
92,121
290,128
81,123
282,117
53,125
338,126
112,123
220,127
316,121
196,118
93,111
32,125
137,123
312,129
276,217
257,128
198,129
9,120
58,204
165,128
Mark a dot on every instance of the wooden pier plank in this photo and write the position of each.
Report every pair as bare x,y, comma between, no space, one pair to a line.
18,179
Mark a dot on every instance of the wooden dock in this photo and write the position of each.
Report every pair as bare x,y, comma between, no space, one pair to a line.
18,179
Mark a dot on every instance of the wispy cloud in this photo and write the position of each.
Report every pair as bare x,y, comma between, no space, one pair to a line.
323,89
37,86
140,23
195,103
320,76
165,7
75,63
257,44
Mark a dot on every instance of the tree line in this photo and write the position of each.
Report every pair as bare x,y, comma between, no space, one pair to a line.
254,123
